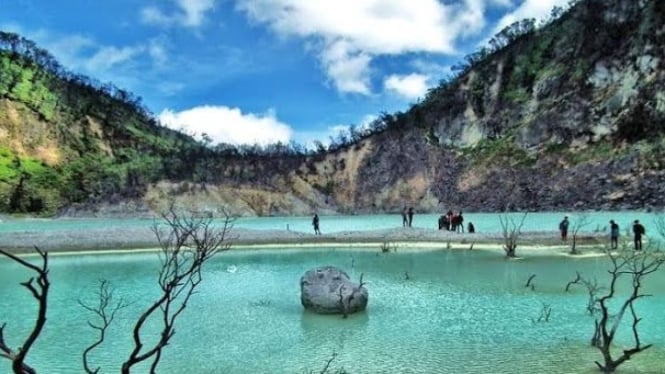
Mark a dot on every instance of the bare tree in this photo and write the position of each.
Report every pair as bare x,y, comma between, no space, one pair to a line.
38,287
636,266
581,221
511,230
187,244
105,310
592,288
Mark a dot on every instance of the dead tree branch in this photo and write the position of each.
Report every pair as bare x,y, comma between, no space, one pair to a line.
635,266
328,362
345,303
578,224
528,282
105,310
577,280
545,313
511,231
39,287
186,245
592,287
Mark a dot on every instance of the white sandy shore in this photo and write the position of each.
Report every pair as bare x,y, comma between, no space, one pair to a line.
122,238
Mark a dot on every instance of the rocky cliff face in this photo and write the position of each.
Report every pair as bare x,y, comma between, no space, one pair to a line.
569,116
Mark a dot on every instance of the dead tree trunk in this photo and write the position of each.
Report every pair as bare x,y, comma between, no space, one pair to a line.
636,266
39,288
580,222
511,231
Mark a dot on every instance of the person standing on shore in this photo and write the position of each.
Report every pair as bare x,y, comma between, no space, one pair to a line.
410,214
315,223
459,222
614,235
563,228
405,220
638,231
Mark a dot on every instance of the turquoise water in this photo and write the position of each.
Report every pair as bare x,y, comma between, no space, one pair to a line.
484,222
459,312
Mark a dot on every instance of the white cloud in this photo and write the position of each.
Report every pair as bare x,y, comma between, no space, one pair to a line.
228,125
309,138
157,51
349,70
191,13
67,49
351,33
195,11
410,86
106,57
538,9
152,15
83,54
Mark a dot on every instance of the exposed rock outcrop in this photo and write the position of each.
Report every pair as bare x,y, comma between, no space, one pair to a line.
329,290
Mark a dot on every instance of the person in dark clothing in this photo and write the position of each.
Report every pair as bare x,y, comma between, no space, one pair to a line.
638,231
459,222
315,223
614,235
410,214
471,229
563,228
405,220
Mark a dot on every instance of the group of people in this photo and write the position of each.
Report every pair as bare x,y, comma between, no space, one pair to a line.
454,222
449,221
638,232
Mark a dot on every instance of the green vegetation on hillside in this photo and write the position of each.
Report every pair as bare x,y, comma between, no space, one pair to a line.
72,140
583,89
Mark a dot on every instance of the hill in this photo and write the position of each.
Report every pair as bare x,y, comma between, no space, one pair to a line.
66,139
564,116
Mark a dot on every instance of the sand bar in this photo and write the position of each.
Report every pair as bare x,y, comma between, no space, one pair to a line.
143,238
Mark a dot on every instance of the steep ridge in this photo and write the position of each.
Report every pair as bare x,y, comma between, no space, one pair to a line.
569,116
566,116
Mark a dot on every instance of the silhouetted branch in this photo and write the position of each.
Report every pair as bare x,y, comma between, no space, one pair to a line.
592,288
345,303
105,310
636,266
578,224
528,282
187,244
545,313
38,287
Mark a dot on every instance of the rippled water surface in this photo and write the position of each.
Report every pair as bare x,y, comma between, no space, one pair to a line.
459,311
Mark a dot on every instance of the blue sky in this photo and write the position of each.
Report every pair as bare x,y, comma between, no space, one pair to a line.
261,71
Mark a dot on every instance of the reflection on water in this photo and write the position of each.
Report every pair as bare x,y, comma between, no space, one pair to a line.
458,312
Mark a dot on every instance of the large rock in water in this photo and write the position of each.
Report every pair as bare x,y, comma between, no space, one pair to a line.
320,292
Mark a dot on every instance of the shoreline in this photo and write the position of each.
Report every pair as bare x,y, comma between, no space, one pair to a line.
143,239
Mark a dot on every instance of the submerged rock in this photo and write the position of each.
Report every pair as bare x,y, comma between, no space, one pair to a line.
320,292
